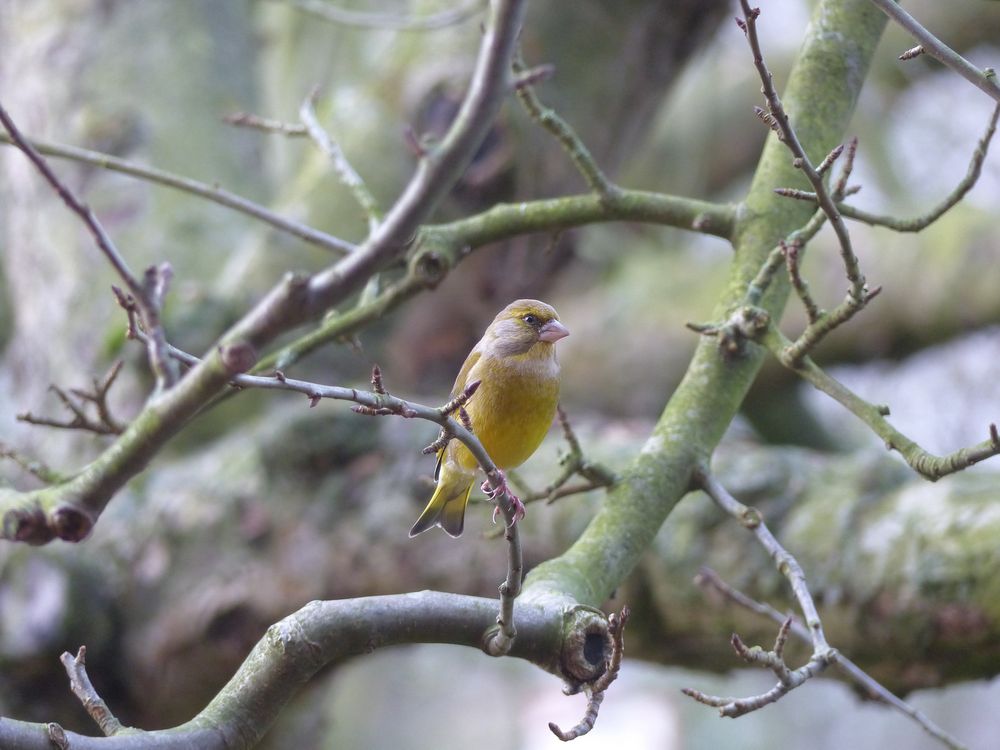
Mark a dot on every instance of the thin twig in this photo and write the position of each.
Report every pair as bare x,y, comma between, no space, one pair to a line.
194,187
265,124
34,467
572,144
347,174
148,293
799,284
984,79
918,223
788,679
870,686
83,689
776,258
874,415
104,424
387,21
858,294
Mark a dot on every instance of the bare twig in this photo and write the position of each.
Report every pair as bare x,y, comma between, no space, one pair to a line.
79,683
575,462
918,223
34,467
982,79
148,293
823,654
858,295
202,190
776,258
265,124
77,399
347,174
874,415
596,690
387,21
708,578
799,284
572,144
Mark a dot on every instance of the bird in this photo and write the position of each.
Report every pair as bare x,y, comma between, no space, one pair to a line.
510,411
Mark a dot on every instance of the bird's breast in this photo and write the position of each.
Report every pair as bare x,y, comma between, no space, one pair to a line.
514,408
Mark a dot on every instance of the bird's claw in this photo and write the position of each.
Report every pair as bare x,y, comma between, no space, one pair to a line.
496,494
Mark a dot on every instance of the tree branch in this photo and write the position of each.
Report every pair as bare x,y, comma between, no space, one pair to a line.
185,184
711,391
788,679
326,633
69,510
985,80
148,294
347,174
874,415
708,578
390,21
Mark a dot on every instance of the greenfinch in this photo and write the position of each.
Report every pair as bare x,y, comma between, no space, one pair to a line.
512,409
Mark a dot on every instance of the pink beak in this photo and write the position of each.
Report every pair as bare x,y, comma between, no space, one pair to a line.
552,331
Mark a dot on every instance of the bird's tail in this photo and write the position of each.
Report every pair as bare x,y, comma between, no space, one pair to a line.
447,505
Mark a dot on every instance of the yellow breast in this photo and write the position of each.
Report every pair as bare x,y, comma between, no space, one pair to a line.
513,408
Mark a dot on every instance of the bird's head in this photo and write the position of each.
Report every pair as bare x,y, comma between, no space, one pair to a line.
524,323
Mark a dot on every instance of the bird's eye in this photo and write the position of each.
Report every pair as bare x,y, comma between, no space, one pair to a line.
531,320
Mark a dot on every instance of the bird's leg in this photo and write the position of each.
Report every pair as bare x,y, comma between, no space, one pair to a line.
496,494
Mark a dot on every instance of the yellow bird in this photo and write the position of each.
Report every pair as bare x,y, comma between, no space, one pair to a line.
515,362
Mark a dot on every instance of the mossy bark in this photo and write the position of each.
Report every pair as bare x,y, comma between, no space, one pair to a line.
820,97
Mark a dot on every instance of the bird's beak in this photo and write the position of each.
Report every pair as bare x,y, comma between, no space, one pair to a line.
552,331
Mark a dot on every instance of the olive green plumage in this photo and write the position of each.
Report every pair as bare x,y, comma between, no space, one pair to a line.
511,411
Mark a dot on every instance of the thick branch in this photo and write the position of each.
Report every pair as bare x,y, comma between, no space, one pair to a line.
324,633
822,91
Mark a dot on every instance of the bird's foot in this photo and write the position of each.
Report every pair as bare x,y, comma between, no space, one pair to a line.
498,493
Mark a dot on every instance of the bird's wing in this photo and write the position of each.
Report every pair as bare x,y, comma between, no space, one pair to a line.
460,382
463,375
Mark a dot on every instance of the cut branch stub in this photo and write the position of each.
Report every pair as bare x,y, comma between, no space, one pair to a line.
586,646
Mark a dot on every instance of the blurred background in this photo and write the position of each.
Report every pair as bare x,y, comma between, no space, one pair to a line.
262,504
